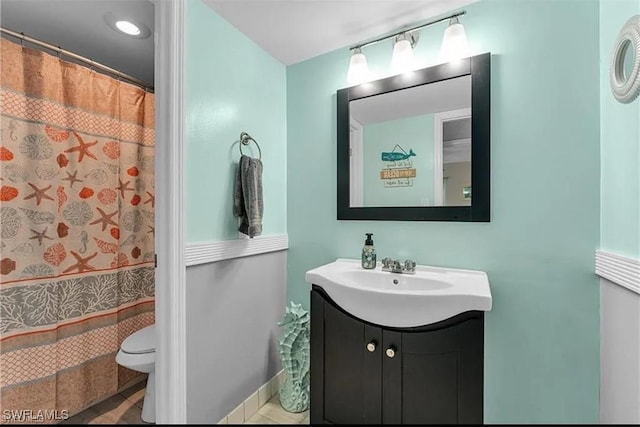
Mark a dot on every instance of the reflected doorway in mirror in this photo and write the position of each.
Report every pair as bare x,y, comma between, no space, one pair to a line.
452,157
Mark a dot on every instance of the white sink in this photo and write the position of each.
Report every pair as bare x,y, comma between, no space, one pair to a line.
429,296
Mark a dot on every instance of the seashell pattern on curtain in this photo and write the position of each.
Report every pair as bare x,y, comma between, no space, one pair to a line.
77,230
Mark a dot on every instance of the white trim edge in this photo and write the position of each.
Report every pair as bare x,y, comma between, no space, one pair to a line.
356,164
203,253
619,269
171,360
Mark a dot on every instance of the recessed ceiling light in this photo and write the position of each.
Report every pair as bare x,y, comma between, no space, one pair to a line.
128,28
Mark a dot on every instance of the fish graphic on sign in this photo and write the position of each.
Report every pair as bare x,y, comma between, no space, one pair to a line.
398,171
396,156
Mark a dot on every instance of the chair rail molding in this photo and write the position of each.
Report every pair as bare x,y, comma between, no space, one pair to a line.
621,270
206,252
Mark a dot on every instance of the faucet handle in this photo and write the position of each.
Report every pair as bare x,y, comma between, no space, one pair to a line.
386,262
409,265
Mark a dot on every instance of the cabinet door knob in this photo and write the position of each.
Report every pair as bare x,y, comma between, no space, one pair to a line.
371,346
391,352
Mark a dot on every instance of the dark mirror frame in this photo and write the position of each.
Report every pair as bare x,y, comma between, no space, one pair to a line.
479,68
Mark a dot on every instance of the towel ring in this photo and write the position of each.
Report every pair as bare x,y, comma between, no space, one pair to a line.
245,139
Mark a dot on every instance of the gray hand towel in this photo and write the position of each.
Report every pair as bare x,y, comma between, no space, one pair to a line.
247,196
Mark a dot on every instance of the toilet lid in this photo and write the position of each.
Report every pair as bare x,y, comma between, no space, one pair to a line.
143,341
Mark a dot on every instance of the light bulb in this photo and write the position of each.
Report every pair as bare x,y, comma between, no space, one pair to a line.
402,58
454,42
358,68
128,27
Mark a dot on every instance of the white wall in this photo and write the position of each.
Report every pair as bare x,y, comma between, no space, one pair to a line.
620,354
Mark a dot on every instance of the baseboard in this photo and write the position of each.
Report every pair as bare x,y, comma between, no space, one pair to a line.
255,401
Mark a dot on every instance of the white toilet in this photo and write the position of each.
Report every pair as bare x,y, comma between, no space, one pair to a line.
138,352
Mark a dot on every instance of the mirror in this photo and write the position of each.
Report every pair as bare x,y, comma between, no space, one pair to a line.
627,61
416,153
624,69
416,146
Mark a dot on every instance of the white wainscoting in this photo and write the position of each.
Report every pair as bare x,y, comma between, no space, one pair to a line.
618,269
203,253
619,338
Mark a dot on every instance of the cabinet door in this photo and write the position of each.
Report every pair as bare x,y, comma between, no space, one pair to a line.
345,375
435,377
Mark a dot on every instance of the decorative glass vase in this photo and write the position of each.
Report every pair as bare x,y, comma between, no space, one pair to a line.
294,350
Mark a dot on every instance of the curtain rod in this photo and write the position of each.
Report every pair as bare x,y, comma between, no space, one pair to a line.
419,27
80,58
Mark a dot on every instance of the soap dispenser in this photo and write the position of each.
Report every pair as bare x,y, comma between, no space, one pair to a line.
368,253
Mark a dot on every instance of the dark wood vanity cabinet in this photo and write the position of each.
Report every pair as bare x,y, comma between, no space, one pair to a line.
367,374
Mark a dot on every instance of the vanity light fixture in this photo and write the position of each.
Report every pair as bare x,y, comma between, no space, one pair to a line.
358,68
454,42
454,46
402,58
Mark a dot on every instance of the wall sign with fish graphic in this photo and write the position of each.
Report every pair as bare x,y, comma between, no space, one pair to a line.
398,170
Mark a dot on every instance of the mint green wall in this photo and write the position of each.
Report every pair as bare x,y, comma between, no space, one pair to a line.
542,336
411,133
620,144
232,85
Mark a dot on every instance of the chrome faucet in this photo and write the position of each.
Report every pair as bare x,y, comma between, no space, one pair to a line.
395,266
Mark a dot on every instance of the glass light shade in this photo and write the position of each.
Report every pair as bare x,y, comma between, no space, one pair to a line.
358,68
402,59
454,42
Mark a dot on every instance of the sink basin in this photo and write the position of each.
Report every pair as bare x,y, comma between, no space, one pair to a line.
429,296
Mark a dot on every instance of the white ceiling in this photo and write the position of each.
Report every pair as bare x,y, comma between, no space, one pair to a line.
295,30
79,26
446,95
290,30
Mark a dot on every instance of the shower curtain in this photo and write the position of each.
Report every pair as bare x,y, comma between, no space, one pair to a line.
77,235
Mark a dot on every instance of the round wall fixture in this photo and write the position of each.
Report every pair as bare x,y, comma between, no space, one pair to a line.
127,27
624,72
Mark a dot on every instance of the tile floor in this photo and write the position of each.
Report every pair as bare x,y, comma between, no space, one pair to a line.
126,407
273,413
123,408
